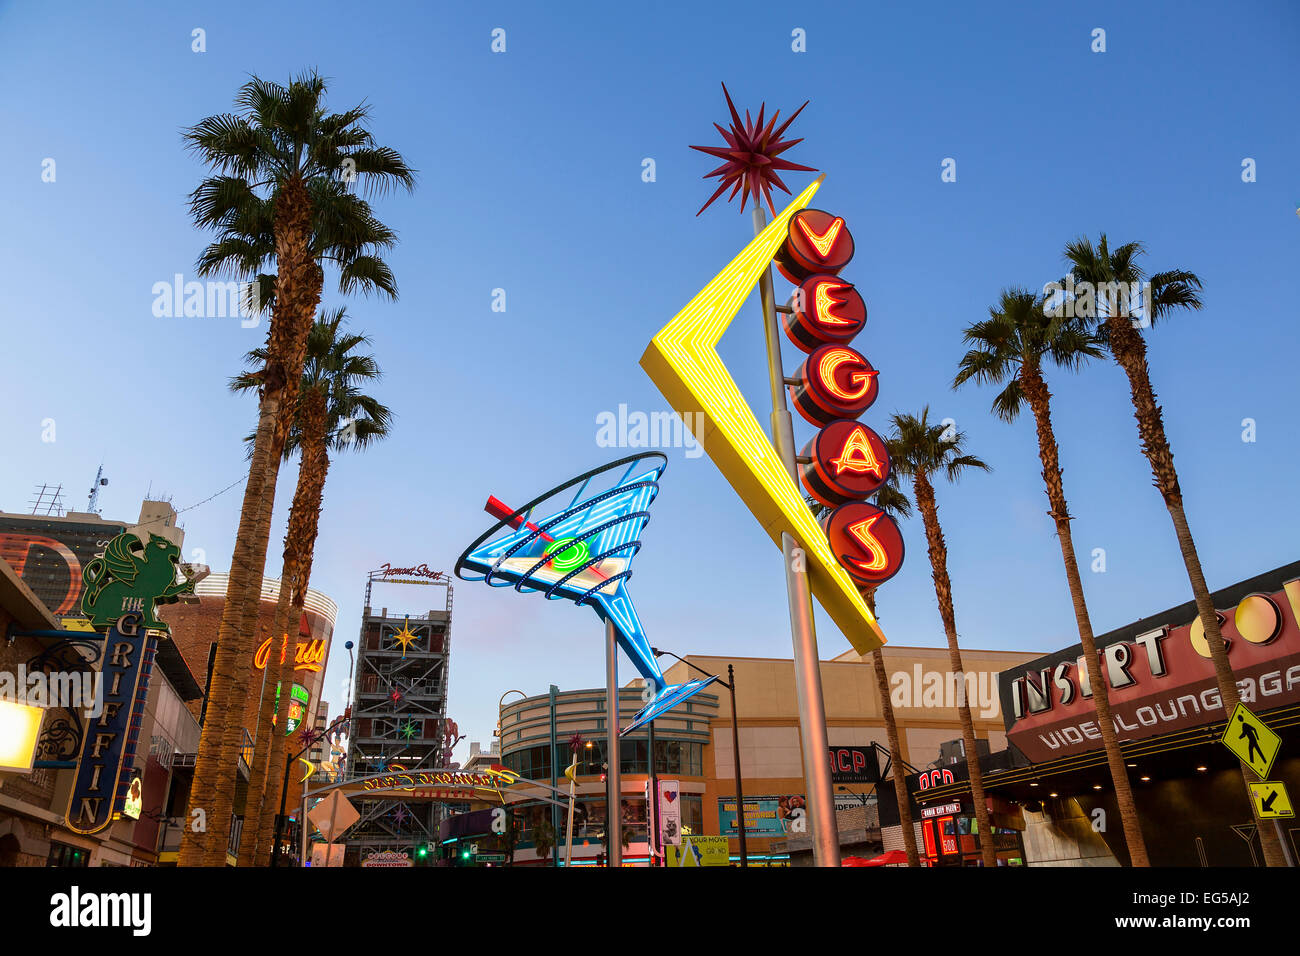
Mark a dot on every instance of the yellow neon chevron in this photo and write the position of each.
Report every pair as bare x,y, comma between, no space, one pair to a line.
311,769
682,361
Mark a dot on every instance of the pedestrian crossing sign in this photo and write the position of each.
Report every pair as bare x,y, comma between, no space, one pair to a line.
1251,740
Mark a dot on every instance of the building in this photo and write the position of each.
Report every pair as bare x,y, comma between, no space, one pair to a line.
399,720
1187,786
694,746
35,800
50,552
536,735
479,758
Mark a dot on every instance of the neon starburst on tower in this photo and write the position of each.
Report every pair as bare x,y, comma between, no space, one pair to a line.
752,156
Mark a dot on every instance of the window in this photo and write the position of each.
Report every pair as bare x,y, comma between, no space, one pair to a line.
63,855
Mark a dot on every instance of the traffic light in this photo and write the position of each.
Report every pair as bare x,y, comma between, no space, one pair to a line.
422,852
464,854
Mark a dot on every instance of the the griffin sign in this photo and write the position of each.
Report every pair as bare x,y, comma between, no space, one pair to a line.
133,577
110,739
1159,672
124,585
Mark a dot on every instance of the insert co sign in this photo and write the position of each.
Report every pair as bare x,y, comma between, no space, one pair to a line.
846,462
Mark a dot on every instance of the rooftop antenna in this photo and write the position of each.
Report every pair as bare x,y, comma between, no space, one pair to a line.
49,499
100,481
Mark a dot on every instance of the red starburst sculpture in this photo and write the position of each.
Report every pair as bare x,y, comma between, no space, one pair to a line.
752,156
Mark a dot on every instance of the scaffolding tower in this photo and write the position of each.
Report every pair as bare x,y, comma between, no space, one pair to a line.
399,710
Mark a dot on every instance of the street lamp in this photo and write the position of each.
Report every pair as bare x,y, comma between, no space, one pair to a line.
496,731
730,684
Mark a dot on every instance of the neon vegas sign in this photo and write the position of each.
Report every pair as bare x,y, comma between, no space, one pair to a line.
683,362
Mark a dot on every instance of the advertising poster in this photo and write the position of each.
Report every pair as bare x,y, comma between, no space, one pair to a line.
700,851
764,816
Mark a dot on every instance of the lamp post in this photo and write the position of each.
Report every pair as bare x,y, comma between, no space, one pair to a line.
497,731
730,684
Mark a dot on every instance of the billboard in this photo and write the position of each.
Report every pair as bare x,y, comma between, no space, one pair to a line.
764,816
700,851
51,555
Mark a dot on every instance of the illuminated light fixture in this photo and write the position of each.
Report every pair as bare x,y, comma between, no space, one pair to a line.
682,360
1096,786
1146,779
1053,794
405,637
1202,769
1130,765
20,728
1034,783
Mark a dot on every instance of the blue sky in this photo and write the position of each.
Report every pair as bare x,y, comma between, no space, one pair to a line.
530,181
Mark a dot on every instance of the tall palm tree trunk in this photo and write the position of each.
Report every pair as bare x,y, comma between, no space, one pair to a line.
1129,350
304,522
895,749
208,776
924,496
297,289
272,691
1039,398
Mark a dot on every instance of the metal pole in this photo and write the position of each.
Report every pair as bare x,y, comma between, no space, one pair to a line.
807,666
613,790
652,804
568,841
279,820
740,790
555,813
1286,844
302,820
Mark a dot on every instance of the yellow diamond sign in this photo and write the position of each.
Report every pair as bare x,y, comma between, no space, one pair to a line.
1251,740
682,361
1272,802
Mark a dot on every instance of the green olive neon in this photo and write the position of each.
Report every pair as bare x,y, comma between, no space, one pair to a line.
566,554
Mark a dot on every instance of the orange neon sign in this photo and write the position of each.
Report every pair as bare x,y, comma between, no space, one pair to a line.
825,304
858,456
878,558
822,242
859,381
310,656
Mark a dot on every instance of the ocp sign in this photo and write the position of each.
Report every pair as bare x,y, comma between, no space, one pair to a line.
854,765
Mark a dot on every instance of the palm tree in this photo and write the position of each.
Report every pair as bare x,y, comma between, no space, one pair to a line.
893,501
333,414
1011,347
919,450
281,198
1117,283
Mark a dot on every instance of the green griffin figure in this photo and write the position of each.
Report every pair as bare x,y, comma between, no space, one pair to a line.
133,577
